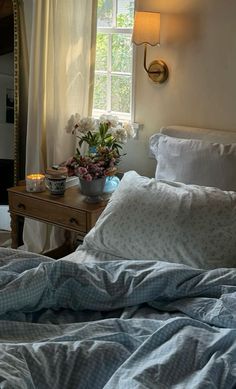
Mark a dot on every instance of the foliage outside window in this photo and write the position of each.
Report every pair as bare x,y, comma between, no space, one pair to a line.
114,58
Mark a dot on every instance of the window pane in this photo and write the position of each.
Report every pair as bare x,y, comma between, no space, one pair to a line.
101,51
100,92
120,93
121,53
125,13
104,13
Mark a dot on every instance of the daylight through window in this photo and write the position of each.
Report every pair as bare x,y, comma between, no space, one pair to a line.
114,58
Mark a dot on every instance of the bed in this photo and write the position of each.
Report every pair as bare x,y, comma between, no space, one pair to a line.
148,300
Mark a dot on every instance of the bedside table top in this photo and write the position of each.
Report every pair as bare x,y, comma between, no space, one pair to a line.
69,211
71,198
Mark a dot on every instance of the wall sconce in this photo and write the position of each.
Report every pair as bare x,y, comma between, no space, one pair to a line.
147,31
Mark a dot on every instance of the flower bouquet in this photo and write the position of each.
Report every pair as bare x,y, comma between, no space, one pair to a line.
102,141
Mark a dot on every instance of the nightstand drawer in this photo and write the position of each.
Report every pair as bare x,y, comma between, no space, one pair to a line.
46,211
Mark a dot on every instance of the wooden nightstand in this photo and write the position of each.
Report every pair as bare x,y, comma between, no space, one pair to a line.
70,211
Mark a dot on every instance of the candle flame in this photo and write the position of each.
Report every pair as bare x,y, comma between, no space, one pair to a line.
35,176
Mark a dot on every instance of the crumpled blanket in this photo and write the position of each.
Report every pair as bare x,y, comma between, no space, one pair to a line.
116,325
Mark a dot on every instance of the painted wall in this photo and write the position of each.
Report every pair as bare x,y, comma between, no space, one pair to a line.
198,43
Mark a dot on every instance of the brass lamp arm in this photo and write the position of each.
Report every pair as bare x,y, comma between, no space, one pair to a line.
157,70
145,63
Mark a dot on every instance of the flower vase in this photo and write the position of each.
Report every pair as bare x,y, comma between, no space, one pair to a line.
93,189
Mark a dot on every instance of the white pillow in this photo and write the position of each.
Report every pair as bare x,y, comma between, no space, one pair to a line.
194,161
157,220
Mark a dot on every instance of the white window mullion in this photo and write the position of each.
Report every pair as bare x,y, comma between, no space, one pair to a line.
103,72
114,5
110,53
109,72
119,30
133,91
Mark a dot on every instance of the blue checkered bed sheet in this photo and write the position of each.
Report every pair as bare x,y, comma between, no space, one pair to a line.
116,325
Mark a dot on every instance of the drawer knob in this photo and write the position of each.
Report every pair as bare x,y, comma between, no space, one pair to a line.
74,221
21,206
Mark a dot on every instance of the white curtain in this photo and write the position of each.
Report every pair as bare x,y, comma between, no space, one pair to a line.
61,68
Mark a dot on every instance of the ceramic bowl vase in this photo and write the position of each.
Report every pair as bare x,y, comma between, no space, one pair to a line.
92,190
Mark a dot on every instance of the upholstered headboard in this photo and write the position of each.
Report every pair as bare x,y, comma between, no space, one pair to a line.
220,136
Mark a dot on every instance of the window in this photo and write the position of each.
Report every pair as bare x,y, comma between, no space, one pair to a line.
114,58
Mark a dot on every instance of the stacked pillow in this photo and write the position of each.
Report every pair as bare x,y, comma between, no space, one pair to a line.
194,161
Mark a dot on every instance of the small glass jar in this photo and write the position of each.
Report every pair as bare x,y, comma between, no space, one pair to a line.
35,182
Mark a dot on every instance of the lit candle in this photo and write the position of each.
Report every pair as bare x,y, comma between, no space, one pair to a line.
35,183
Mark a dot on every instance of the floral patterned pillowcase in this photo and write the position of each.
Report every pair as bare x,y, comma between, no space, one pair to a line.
158,220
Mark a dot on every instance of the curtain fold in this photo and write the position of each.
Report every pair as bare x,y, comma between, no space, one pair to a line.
61,72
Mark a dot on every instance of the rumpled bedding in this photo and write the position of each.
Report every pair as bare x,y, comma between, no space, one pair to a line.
116,324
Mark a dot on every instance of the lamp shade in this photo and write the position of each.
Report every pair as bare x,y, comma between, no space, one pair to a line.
146,28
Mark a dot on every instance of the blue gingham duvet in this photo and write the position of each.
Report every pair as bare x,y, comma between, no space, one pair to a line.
116,325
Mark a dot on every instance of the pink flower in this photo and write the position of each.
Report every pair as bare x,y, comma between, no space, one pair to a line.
82,170
88,177
70,160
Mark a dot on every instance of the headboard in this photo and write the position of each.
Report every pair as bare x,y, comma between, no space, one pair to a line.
211,135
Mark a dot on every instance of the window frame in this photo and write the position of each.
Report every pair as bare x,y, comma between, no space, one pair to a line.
123,116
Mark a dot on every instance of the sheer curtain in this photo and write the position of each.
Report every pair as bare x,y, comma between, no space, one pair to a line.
61,69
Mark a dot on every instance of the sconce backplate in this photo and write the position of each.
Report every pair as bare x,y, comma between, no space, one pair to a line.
158,71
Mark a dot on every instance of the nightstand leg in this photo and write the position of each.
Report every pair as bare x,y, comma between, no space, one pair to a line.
69,240
14,231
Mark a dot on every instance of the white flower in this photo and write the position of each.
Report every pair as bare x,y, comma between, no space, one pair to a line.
111,120
123,132
72,122
129,129
85,124
120,134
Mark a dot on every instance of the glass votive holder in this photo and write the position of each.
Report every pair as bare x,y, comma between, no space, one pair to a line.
35,182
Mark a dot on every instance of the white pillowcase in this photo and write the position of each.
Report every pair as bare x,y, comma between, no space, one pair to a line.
193,161
157,220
